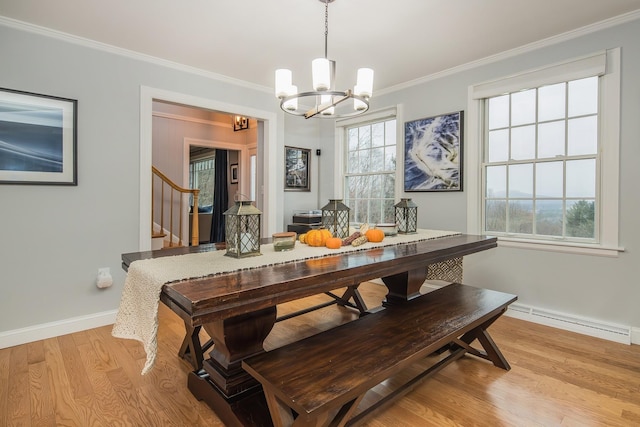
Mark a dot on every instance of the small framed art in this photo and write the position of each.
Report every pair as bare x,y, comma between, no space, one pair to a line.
296,168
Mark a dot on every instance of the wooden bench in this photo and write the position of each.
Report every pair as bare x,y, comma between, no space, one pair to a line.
321,380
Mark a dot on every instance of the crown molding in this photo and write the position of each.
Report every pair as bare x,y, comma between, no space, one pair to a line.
550,41
70,38
588,29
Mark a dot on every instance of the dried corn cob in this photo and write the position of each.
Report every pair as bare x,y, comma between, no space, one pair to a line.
350,239
360,241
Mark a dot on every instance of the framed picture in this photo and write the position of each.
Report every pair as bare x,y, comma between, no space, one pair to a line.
38,139
433,153
296,168
234,173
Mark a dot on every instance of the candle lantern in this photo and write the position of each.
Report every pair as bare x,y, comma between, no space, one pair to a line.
335,218
406,216
242,230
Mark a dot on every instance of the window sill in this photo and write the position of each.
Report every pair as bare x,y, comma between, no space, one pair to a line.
564,247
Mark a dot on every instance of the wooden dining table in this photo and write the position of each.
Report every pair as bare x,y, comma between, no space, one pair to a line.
238,309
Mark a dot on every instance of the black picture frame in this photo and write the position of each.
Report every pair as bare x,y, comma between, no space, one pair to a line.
296,169
38,139
233,169
433,149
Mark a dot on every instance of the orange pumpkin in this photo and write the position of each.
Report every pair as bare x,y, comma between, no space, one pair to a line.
333,243
375,235
302,238
317,237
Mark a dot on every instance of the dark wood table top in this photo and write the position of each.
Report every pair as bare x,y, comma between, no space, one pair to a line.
203,300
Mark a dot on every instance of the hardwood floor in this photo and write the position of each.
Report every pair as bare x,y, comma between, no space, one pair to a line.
557,378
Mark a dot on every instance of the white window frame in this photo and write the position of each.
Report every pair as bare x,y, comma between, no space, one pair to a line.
340,145
607,65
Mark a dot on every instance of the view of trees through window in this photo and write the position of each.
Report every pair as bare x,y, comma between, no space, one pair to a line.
370,172
541,156
201,177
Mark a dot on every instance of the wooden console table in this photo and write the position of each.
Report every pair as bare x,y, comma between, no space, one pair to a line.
238,309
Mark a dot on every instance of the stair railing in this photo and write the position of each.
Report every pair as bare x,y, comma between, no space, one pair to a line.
180,193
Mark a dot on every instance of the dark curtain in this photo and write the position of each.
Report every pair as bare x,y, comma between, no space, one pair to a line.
220,197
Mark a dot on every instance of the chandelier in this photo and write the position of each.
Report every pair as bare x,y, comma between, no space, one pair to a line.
324,96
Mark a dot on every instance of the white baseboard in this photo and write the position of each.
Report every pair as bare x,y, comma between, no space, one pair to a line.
54,329
635,335
595,328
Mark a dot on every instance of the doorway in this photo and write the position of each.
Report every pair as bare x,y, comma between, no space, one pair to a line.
267,147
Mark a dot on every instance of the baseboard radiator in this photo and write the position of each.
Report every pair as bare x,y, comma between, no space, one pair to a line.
594,328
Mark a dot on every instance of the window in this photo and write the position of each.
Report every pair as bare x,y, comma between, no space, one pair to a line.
540,158
547,155
201,177
370,171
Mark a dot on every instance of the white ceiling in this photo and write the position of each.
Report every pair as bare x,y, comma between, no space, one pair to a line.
402,40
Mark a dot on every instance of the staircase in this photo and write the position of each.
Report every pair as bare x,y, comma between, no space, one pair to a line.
169,198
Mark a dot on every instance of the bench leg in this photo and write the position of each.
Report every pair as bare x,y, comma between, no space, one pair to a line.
491,350
191,350
282,415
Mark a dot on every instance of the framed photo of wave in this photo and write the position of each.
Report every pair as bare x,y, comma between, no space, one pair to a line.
38,139
433,153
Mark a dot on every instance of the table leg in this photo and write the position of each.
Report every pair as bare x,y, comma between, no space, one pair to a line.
231,392
404,286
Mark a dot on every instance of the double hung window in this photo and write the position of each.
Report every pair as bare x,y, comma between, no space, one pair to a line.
370,171
547,154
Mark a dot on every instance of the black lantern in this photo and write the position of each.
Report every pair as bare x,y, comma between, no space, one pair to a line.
406,216
335,218
242,230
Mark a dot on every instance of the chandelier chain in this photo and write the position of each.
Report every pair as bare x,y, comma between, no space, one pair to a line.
326,26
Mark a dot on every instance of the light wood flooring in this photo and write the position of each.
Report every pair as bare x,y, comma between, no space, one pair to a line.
557,378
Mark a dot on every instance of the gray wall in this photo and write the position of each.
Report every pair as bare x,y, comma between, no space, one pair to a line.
605,289
55,238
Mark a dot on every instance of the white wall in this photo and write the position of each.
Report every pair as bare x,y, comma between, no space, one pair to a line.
604,289
56,238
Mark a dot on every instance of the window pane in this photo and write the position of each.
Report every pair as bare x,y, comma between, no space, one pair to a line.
499,112
520,216
377,160
583,136
389,186
581,178
521,180
389,212
581,218
376,186
549,180
496,181
377,134
353,163
496,215
353,139
364,137
523,107
551,139
364,161
390,158
551,102
523,143
363,188
499,145
549,217
583,97
375,211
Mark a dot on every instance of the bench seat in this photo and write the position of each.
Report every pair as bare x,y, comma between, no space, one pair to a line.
321,380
